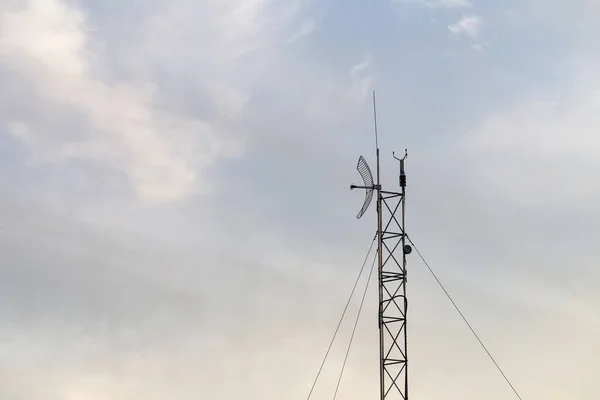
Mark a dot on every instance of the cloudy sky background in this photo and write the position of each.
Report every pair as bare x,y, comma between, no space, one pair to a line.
175,219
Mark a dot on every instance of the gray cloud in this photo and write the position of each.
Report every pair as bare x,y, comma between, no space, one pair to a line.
107,293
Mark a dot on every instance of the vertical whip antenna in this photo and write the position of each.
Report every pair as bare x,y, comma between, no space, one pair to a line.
380,232
375,122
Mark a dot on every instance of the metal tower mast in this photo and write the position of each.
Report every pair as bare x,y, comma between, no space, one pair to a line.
393,305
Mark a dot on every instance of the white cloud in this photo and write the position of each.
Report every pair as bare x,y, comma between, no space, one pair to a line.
306,28
437,3
361,80
536,145
340,93
454,3
164,152
71,103
468,25
46,42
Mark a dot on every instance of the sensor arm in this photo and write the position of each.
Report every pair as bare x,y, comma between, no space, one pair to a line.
373,187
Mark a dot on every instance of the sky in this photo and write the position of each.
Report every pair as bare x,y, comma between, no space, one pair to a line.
175,213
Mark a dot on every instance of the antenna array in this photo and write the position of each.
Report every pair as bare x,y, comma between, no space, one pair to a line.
393,304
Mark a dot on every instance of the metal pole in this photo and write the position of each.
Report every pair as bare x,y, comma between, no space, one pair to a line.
403,185
380,275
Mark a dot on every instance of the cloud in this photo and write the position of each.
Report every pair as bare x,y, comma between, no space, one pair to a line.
437,3
165,100
361,81
539,144
161,294
126,125
467,25
306,28
45,42
127,314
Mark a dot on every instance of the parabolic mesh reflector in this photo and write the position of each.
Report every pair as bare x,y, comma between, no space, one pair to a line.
365,172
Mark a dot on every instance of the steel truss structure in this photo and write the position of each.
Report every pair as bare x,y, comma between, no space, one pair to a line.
393,304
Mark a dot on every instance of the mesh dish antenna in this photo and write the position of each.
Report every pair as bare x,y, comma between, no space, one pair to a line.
365,172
